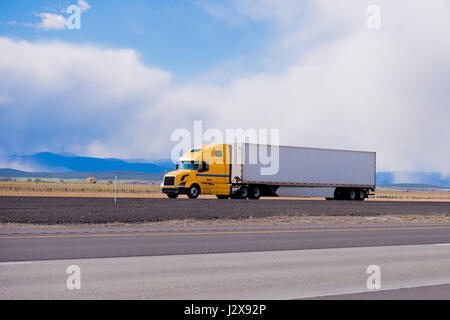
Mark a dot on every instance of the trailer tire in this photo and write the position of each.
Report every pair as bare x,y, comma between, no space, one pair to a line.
243,193
254,193
222,196
352,195
361,195
194,192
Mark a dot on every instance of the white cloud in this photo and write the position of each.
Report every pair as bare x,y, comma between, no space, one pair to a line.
7,162
346,87
68,97
51,21
83,5
356,88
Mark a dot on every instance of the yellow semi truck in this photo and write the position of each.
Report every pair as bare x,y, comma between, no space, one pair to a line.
240,171
203,170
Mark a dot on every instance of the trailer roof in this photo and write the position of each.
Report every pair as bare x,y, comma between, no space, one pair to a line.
325,149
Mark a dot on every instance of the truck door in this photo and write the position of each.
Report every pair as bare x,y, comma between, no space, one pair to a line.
205,178
215,177
220,156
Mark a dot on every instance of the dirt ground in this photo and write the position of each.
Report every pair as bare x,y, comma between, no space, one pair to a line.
379,195
89,210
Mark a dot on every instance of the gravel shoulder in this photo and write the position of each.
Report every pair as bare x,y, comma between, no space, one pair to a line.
248,223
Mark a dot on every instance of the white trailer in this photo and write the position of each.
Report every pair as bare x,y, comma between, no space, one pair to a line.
298,171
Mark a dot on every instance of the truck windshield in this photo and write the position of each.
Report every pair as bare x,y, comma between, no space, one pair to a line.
187,165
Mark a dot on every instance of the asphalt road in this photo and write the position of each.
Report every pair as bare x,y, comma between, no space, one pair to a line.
55,210
290,274
28,244
234,262
434,292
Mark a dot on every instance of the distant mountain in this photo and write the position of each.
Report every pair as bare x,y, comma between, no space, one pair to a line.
165,163
45,164
384,179
120,174
412,186
51,162
435,179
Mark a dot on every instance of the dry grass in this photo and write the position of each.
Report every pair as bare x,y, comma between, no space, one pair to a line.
412,196
55,189
277,221
74,188
81,194
305,220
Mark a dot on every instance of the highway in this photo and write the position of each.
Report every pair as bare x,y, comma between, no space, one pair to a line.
81,242
258,262
291,274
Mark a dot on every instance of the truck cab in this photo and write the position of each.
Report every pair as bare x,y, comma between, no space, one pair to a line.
201,170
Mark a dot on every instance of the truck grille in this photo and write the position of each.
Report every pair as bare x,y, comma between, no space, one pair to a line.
169,181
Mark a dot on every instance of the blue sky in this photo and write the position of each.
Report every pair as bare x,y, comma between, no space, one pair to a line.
181,37
137,71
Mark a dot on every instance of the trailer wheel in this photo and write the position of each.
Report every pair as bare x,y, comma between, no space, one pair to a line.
254,193
362,195
352,194
172,195
194,192
222,196
243,193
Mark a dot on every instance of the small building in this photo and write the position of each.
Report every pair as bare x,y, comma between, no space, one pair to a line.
91,180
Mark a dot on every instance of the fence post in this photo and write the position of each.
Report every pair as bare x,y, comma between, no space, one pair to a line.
115,189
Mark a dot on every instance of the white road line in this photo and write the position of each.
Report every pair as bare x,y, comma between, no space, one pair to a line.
365,291
13,263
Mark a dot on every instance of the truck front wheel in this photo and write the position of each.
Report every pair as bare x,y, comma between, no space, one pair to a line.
193,192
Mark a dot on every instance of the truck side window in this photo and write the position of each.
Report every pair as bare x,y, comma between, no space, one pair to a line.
218,153
203,167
